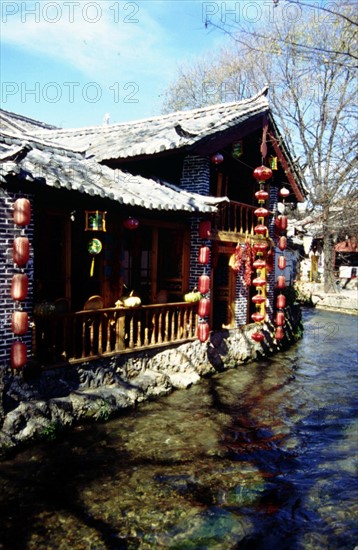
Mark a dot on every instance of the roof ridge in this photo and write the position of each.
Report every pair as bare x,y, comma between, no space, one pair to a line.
28,139
11,115
174,114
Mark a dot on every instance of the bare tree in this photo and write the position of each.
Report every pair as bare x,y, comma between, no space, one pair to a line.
308,66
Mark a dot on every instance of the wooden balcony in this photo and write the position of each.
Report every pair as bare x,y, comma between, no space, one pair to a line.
92,334
232,220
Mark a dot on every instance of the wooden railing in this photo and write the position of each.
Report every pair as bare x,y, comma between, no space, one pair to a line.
235,217
83,335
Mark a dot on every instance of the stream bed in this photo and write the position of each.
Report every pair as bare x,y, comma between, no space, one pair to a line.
259,457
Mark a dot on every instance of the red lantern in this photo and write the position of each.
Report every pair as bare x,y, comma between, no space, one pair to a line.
204,255
260,247
21,251
280,318
259,282
18,355
257,317
261,195
259,264
203,331
19,323
281,281
260,229
279,333
281,262
281,301
282,243
204,284
281,222
258,299
19,286
262,173
217,158
257,336
284,192
205,229
131,223
204,307
261,212
22,212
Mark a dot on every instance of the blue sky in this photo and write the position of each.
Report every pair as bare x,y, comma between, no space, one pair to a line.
69,63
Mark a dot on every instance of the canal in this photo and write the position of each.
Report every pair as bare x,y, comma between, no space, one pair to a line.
260,457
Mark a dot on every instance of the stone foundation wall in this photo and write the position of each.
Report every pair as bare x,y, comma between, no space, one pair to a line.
38,404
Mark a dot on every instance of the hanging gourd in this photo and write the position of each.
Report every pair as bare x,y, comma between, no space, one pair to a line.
257,336
279,333
260,229
283,192
282,243
205,229
281,262
281,301
280,319
259,282
259,264
21,251
259,299
281,222
19,323
257,317
281,281
22,212
204,255
261,212
204,307
18,355
19,286
217,158
262,173
131,223
204,284
260,247
261,195
203,331
94,248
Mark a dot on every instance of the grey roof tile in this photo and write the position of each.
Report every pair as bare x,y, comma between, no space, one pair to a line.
61,169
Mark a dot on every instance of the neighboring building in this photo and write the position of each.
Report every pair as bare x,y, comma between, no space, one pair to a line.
346,258
118,208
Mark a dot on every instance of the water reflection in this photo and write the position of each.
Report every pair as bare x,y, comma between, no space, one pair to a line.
259,457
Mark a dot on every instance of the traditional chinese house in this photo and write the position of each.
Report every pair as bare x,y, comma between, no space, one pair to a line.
104,230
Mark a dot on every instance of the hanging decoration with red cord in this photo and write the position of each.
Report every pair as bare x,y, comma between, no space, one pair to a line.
260,247
204,305
20,283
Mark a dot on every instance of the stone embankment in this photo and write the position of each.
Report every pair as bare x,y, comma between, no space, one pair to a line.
39,405
344,300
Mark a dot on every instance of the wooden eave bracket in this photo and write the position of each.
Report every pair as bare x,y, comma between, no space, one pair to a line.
281,157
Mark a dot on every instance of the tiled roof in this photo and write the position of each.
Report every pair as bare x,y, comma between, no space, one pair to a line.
58,167
158,134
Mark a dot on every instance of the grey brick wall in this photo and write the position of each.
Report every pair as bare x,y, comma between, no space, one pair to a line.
196,178
242,294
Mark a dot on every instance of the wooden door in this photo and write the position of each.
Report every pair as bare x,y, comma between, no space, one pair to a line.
223,293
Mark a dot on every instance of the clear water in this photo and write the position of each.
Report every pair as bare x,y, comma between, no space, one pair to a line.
261,457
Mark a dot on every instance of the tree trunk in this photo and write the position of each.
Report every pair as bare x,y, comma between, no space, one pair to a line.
329,279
